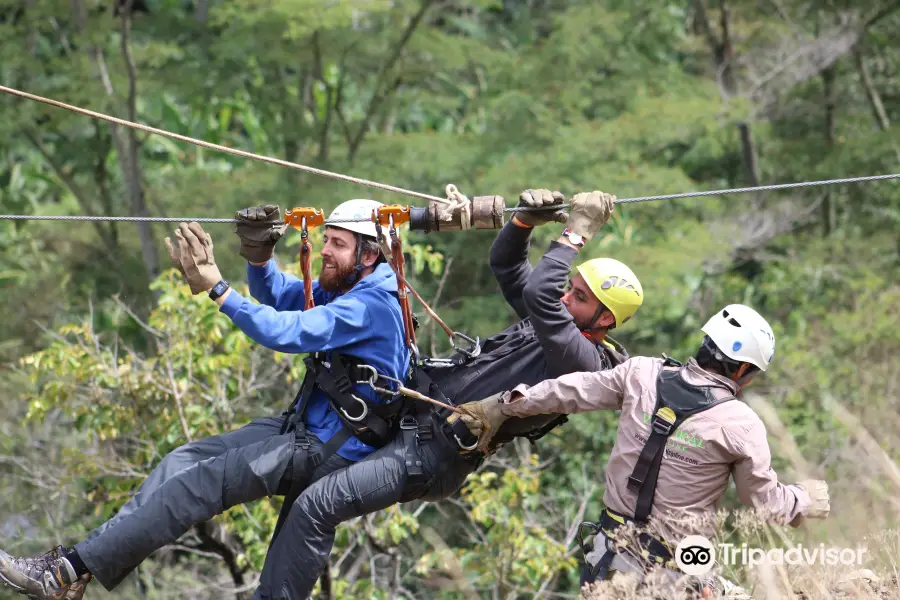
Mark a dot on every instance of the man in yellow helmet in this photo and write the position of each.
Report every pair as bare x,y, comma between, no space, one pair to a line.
563,329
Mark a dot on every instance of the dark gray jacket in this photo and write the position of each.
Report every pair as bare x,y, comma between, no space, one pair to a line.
545,344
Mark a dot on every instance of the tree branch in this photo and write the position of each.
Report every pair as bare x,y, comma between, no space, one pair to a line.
380,80
206,533
80,195
881,117
325,581
880,14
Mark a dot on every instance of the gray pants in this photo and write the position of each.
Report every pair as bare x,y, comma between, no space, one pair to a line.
301,550
194,483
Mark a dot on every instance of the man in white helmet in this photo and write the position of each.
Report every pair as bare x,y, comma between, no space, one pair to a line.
682,433
333,423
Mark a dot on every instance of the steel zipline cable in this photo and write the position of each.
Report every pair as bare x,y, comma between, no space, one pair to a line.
357,180
761,188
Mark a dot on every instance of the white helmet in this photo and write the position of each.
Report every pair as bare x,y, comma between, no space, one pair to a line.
355,209
742,335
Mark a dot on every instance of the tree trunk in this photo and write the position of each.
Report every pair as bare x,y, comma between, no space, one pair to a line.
126,145
130,160
748,155
828,77
201,11
881,117
722,51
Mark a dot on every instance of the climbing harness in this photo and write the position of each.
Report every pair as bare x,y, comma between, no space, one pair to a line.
676,400
649,549
413,429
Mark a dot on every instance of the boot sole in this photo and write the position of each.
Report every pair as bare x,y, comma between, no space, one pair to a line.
11,585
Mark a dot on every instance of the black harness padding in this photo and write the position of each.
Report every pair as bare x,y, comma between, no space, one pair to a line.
676,400
372,423
651,550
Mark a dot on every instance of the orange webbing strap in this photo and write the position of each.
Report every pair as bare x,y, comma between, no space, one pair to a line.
306,268
303,218
397,256
384,215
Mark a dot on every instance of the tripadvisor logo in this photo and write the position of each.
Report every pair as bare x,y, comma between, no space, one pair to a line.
696,555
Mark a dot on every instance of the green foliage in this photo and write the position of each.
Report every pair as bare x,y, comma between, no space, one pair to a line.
513,548
110,366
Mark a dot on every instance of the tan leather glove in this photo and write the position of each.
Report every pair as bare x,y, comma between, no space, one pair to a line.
589,212
488,413
475,426
819,501
175,256
195,254
538,199
260,228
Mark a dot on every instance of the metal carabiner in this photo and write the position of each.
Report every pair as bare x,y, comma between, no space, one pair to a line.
473,351
372,379
594,529
365,410
463,446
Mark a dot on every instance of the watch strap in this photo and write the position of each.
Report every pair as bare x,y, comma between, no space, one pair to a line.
574,238
219,289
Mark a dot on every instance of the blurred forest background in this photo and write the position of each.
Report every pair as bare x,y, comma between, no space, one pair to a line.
109,363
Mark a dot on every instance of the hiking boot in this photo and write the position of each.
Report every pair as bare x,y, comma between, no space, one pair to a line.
46,577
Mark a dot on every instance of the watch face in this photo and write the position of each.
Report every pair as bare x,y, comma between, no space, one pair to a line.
219,289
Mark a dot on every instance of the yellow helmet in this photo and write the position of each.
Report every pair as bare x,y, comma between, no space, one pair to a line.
615,285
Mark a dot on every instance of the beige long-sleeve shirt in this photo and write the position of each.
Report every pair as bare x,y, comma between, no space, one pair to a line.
728,439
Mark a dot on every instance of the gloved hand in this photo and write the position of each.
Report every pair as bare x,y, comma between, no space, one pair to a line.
487,412
175,256
589,212
474,426
260,228
537,199
819,502
195,257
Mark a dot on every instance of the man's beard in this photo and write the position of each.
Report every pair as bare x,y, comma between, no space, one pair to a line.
335,279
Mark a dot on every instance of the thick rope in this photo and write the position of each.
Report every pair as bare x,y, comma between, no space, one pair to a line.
761,188
211,146
457,201
450,333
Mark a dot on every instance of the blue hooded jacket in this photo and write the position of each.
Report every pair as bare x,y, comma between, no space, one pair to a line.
366,323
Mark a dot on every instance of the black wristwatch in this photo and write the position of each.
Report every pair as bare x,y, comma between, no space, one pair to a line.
219,289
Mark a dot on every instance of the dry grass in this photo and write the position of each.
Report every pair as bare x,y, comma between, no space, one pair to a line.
864,504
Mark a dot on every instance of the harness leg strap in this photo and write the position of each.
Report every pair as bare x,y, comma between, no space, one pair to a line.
409,426
303,466
414,433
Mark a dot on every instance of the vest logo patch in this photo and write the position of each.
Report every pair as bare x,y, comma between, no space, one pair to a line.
681,439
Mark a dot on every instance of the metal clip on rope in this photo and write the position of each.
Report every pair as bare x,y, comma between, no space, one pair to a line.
474,349
303,219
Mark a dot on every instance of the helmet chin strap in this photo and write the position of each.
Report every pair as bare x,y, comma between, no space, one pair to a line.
588,332
353,277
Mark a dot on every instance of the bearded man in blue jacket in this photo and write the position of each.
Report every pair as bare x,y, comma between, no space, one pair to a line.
357,321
